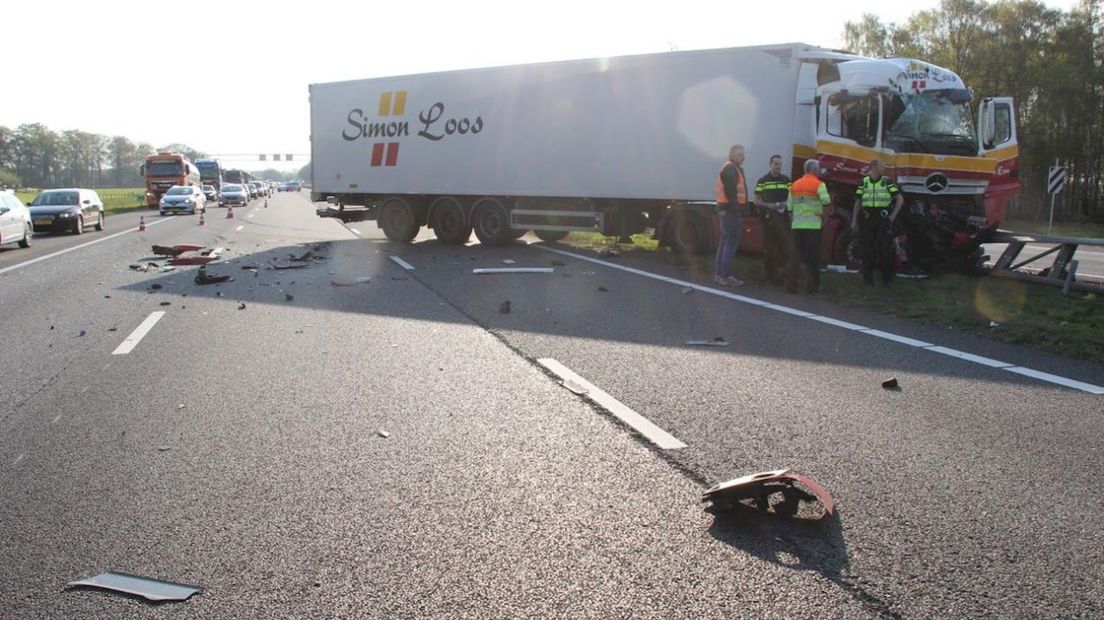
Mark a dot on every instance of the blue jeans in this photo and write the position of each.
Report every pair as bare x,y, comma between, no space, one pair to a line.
730,241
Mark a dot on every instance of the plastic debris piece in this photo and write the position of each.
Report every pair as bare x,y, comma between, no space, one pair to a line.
760,487
574,387
509,261
891,384
150,589
82,333
181,406
202,278
383,433
687,290
602,289
166,303
112,329
241,306
504,307
163,448
289,297
514,270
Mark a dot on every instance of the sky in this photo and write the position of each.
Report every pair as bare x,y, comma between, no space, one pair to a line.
231,77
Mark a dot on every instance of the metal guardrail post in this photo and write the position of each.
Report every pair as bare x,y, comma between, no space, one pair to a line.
1071,275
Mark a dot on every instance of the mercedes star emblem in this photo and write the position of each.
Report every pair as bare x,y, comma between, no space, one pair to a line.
936,182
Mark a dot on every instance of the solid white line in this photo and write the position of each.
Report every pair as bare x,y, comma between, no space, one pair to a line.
355,231
637,422
968,357
895,338
405,265
139,332
514,270
238,229
77,247
1046,376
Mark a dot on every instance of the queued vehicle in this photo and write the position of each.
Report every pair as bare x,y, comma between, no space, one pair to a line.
210,193
282,187
251,187
183,199
15,221
294,186
66,210
233,195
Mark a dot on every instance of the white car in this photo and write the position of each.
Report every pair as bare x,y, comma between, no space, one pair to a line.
183,198
15,221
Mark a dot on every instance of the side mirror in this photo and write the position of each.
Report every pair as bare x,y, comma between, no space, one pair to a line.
86,202
4,210
989,119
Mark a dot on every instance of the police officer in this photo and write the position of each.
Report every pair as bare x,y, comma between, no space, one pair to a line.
771,193
873,221
808,197
731,199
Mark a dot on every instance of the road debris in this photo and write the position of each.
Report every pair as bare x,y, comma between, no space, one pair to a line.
557,263
383,433
241,306
112,329
282,263
609,253
891,384
993,324
167,269
181,406
719,341
514,270
175,250
156,287
757,489
504,307
305,256
687,290
509,261
289,297
192,260
164,448
166,303
602,289
203,279
81,334
574,387
153,590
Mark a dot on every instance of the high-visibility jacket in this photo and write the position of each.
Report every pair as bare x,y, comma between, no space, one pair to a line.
741,186
808,197
876,194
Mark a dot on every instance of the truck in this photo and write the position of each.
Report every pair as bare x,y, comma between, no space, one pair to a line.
210,172
240,177
628,144
165,170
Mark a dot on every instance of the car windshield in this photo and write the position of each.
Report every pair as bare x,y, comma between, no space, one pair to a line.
179,191
937,122
55,199
231,188
164,169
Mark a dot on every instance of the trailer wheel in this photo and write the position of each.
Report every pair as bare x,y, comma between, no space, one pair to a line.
551,236
396,219
688,233
491,222
449,223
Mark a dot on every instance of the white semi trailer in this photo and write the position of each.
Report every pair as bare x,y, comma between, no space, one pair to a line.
619,145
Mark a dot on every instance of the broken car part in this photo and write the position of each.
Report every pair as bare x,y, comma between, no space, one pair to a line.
758,489
150,589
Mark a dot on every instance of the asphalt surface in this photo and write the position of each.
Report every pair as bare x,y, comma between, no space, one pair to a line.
497,492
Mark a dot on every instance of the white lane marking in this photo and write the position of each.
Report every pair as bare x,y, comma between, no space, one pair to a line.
514,270
239,228
251,215
967,357
20,458
970,357
139,332
405,265
637,422
355,231
895,338
77,247
1046,376
56,418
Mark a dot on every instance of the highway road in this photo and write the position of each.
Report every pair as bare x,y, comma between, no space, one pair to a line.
373,436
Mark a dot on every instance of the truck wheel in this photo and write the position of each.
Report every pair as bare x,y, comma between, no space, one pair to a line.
688,233
396,219
491,222
449,223
845,249
551,236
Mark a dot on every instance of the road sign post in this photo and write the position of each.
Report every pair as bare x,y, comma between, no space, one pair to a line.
1056,181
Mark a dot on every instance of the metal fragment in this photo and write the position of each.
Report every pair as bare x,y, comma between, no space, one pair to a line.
150,589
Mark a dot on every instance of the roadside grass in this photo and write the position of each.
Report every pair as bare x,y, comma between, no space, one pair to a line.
115,200
1028,314
1084,230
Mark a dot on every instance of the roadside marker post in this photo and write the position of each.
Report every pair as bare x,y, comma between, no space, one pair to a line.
1056,182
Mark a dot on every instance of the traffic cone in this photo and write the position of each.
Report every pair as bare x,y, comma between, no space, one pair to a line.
266,203
141,223
229,212
201,214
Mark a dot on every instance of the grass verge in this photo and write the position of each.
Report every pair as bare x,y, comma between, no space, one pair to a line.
1021,313
115,200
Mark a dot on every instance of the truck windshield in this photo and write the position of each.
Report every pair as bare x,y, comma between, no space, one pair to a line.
936,122
164,169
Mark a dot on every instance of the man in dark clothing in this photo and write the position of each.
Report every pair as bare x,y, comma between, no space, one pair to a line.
771,194
731,199
873,221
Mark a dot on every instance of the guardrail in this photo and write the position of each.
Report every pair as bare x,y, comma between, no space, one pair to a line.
1062,272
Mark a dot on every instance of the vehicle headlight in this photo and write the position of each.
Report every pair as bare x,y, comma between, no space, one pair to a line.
67,214
187,201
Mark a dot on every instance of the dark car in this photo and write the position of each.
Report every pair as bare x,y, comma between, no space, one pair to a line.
210,192
67,210
293,186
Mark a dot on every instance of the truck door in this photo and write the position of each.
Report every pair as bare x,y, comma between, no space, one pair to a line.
997,141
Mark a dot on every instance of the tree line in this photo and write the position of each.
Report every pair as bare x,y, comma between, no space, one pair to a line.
33,155
1050,61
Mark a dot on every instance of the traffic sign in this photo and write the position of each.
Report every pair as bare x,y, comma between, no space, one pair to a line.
1056,179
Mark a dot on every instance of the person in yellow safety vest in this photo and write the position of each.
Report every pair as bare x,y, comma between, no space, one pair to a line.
731,199
873,222
808,197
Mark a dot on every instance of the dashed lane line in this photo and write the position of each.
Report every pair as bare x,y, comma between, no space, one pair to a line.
126,346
